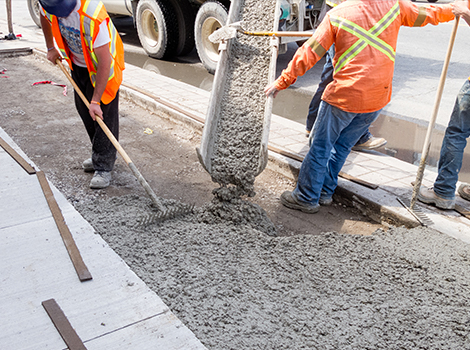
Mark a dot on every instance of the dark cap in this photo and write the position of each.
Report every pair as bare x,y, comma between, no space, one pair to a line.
59,8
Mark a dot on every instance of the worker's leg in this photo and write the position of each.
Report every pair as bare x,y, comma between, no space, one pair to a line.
347,139
366,136
82,79
103,151
330,123
325,79
453,146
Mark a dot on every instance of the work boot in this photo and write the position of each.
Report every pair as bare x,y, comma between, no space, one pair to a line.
428,196
290,202
464,191
87,166
372,143
325,201
101,179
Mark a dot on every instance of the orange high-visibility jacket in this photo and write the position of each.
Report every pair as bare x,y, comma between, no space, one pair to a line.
365,36
92,14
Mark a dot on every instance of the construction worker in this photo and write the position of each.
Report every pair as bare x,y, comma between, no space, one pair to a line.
367,141
442,195
364,33
87,39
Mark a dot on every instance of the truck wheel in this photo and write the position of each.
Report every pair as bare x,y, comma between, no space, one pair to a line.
157,28
211,16
33,7
185,17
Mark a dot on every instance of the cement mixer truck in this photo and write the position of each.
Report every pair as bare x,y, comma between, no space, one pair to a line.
168,28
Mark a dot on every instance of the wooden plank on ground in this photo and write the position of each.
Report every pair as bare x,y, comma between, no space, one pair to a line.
462,211
63,325
299,158
19,159
74,253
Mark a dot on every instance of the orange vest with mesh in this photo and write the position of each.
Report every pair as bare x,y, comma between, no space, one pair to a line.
92,14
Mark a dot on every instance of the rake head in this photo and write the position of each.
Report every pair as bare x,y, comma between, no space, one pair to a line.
421,217
177,211
226,32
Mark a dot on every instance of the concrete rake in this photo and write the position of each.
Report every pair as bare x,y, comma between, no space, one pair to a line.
427,141
163,213
422,218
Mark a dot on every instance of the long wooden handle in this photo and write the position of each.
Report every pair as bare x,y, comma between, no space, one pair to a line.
427,140
100,122
116,144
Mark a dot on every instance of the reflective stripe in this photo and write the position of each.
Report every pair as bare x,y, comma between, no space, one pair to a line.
366,37
316,46
421,17
334,3
89,26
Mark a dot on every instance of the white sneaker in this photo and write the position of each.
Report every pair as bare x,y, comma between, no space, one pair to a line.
101,179
372,143
87,166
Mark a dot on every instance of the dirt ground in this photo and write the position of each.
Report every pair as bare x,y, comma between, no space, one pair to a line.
46,126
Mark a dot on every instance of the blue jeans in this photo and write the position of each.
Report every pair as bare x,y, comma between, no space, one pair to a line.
334,134
453,146
325,79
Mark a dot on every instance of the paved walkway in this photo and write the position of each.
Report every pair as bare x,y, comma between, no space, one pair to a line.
135,317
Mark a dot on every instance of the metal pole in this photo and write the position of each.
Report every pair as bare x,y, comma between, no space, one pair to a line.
10,36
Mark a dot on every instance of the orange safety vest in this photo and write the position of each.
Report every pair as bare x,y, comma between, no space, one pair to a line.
92,14
365,35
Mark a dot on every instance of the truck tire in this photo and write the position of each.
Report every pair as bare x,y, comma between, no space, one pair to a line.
211,16
157,28
185,18
33,7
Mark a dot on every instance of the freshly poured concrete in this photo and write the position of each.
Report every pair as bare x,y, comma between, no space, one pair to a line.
238,288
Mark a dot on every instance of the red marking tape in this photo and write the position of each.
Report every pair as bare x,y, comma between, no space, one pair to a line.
52,83
2,71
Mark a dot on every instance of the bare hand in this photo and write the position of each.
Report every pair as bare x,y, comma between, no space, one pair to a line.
460,8
53,55
271,90
95,111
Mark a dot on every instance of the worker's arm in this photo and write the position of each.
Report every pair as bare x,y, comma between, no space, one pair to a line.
52,52
460,8
413,15
304,58
102,74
